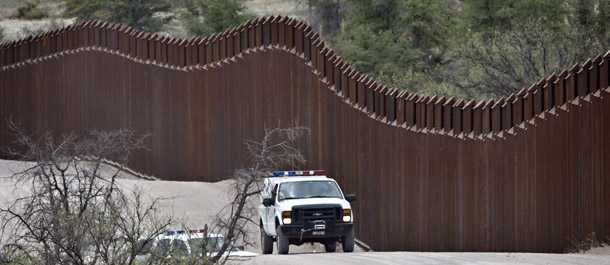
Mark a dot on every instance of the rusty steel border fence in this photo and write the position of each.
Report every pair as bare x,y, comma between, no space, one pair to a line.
525,172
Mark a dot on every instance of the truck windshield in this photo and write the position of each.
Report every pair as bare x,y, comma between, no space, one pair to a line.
309,189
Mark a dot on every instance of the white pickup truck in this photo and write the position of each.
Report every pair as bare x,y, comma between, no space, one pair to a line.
299,207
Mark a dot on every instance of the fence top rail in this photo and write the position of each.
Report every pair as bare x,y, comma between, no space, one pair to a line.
81,31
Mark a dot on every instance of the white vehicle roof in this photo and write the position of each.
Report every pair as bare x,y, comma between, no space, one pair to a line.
278,180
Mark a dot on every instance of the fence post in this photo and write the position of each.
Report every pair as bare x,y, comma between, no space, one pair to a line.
282,32
266,31
537,92
582,77
370,107
422,112
400,108
457,117
352,82
507,115
448,115
604,71
215,49
141,44
258,30
237,42
274,31
467,118
229,40
289,34
321,59
439,112
330,57
496,116
411,111
528,104
594,75
477,119
298,37
486,117
571,85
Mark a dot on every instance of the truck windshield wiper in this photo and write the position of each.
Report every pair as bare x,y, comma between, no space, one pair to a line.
291,198
319,196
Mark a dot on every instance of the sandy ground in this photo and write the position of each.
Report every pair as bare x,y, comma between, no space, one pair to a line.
196,203
191,204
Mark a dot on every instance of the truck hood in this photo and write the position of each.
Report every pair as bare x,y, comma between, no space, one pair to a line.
286,205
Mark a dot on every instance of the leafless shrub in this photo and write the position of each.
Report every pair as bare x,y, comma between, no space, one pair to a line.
275,151
74,213
581,246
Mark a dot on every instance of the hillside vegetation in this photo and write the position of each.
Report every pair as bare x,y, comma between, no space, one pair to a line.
456,48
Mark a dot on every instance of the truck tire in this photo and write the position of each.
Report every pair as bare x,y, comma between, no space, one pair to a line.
282,242
348,242
330,246
266,242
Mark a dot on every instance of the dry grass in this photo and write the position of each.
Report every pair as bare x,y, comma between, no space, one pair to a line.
589,242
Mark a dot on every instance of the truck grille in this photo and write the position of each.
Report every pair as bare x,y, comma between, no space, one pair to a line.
327,212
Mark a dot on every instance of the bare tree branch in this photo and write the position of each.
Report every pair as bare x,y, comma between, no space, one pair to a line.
278,149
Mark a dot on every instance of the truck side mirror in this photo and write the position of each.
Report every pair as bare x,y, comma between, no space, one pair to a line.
268,202
350,197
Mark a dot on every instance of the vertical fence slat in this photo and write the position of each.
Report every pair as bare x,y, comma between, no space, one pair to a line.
467,117
361,87
518,109
594,77
448,115
351,82
266,32
370,108
282,33
496,116
457,117
582,77
537,102
486,117
298,38
477,118
290,35
321,60
571,83
604,72
400,108
410,110
438,114
507,113
258,30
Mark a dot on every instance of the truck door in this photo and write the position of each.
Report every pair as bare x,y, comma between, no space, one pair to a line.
271,212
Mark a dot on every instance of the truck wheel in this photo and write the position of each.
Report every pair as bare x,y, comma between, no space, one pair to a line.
266,242
330,246
282,242
348,242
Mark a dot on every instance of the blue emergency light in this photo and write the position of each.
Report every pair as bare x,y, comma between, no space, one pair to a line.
299,173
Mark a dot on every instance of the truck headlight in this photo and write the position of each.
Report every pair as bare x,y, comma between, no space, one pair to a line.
286,217
347,215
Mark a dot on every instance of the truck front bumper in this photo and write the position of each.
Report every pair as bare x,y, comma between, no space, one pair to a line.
307,232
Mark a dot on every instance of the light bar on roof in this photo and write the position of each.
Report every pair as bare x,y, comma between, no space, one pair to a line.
169,233
299,173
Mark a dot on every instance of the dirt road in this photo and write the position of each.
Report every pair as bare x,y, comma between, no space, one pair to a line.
365,258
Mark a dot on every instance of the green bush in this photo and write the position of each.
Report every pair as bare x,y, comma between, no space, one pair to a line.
31,11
